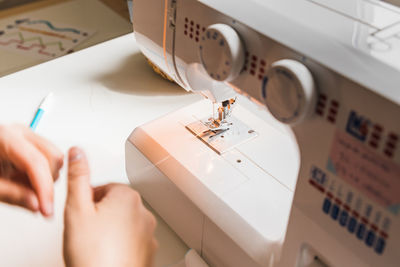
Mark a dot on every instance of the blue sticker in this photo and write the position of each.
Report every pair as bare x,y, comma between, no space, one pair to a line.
357,126
318,175
330,167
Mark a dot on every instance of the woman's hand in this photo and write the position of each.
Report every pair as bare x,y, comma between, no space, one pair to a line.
29,165
105,226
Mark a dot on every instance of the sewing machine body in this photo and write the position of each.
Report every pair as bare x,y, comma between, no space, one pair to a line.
318,188
214,201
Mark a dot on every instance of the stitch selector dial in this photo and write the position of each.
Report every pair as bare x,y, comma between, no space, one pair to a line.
289,92
221,52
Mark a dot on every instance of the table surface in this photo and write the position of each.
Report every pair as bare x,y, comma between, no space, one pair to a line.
100,95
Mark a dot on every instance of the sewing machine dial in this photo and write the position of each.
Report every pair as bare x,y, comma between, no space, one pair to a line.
221,52
289,92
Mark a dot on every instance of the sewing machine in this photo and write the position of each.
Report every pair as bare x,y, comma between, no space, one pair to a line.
302,167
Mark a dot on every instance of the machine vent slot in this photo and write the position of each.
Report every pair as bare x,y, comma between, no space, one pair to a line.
321,104
193,29
333,110
255,66
391,144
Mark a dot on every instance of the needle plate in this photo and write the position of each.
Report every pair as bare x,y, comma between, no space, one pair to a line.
222,140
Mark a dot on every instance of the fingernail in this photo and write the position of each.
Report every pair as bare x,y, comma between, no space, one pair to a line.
75,154
48,209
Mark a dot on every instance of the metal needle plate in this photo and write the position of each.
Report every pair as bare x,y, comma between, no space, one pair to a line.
222,141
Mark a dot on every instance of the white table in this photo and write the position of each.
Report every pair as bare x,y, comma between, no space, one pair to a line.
100,95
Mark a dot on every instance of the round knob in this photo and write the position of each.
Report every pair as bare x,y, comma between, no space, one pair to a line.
289,93
221,52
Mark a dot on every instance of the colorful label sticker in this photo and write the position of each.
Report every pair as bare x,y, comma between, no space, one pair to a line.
358,126
372,174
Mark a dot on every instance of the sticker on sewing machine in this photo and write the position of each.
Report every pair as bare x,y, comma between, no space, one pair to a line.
376,177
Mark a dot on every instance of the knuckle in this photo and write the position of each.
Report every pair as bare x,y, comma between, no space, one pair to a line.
76,174
77,169
5,140
59,158
58,154
135,195
73,209
24,199
56,175
128,193
119,189
14,197
36,161
152,222
155,244
6,199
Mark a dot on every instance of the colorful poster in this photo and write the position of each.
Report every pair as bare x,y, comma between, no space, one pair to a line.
41,38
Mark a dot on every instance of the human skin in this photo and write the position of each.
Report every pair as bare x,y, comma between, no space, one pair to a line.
106,225
29,165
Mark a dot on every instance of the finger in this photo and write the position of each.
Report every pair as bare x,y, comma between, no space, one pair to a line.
51,152
27,158
120,193
19,195
101,191
21,178
154,244
151,220
80,193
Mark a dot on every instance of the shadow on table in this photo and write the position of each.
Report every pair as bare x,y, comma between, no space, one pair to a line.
136,77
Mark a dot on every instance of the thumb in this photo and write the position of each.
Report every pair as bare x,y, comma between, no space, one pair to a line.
80,193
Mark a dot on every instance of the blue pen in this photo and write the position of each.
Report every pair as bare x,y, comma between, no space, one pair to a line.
44,105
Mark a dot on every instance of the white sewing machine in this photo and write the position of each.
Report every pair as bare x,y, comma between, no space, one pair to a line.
309,175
